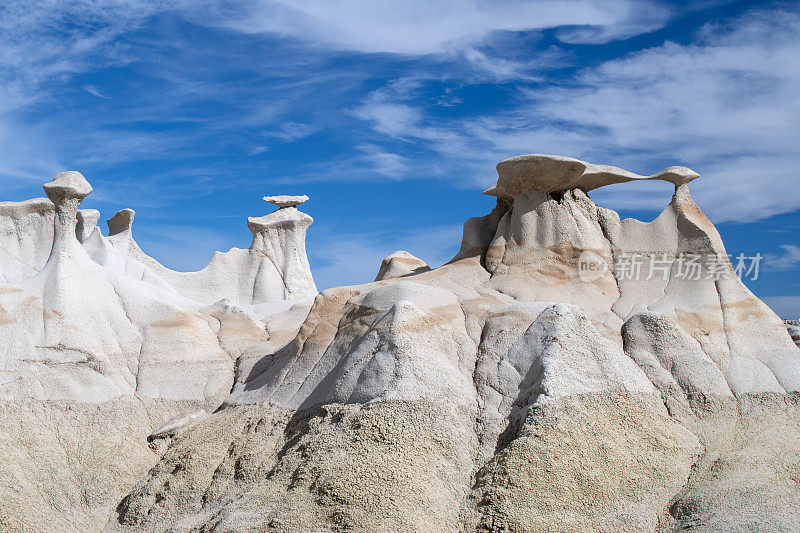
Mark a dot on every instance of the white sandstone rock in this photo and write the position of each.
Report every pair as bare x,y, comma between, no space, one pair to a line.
639,382
275,267
286,200
87,223
122,222
26,237
91,319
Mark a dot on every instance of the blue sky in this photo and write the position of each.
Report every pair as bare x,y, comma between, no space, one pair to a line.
391,116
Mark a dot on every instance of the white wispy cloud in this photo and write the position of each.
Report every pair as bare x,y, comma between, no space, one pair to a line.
398,27
42,44
45,127
630,19
293,131
43,39
725,105
788,260
92,89
365,162
381,161
394,119
45,43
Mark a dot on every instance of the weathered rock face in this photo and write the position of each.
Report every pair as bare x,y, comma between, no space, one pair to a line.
66,464
26,238
534,383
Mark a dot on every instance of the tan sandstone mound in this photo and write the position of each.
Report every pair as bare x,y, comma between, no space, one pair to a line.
400,264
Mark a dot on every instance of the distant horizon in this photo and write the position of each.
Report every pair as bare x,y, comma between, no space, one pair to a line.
190,114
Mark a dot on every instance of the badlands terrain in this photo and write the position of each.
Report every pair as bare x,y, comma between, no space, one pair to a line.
530,384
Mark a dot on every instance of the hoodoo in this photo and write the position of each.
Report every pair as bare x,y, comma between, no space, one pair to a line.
98,320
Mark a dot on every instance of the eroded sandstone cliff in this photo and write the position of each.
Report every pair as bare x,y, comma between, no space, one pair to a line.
533,383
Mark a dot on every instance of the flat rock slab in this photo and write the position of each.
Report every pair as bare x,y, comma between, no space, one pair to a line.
555,173
286,200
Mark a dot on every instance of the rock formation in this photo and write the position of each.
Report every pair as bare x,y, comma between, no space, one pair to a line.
89,321
400,264
555,173
286,200
274,268
100,319
539,381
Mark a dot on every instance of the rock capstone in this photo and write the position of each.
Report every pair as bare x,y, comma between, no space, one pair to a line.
286,200
554,173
